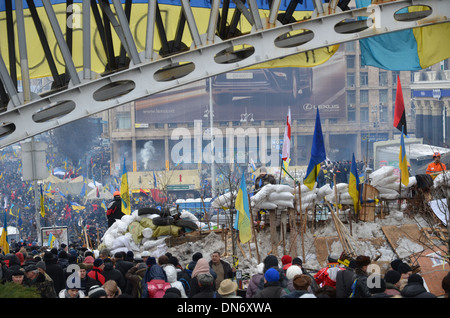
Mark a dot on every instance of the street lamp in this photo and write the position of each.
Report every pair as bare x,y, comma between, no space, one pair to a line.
246,117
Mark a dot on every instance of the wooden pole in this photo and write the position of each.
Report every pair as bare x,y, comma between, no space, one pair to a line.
301,219
273,231
206,214
253,230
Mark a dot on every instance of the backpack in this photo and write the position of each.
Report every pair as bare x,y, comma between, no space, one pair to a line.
157,288
186,285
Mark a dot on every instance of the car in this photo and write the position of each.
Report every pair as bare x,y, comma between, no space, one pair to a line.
294,81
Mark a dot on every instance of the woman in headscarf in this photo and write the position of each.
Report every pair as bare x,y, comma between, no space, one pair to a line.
202,267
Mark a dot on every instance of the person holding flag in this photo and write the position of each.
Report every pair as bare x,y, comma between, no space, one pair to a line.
114,210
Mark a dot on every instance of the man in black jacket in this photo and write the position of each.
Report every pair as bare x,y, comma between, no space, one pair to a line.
114,211
221,268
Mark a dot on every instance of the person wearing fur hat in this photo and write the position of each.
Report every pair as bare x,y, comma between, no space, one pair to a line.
134,277
415,288
360,288
272,287
405,271
301,285
392,279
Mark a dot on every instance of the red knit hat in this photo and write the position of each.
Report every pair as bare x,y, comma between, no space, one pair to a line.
286,259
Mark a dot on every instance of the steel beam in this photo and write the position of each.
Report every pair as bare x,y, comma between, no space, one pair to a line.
153,76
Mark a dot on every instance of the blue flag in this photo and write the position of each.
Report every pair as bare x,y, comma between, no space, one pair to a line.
318,155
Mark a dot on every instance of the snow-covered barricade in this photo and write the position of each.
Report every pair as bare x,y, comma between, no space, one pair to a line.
387,182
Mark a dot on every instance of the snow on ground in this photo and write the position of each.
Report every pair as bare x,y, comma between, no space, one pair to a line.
361,230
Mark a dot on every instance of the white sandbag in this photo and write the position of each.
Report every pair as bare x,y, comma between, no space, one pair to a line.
382,190
127,219
324,191
386,180
274,196
284,188
341,187
153,243
381,173
147,232
266,205
186,215
311,196
108,240
284,203
224,200
441,179
389,196
135,215
121,226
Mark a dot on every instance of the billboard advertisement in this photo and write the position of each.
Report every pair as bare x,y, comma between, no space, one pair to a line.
253,94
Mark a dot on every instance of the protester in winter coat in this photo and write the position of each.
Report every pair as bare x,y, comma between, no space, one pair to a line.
291,272
298,262
272,287
344,280
12,263
202,267
252,287
155,275
221,268
182,275
446,285
63,260
110,273
171,274
327,275
42,282
96,272
392,279
301,285
271,261
405,270
134,278
191,265
378,287
206,286
55,271
112,289
85,281
415,289
71,293
360,288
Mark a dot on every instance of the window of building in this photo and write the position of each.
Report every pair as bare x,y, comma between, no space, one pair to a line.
364,96
383,96
384,114
350,46
364,79
351,97
123,120
351,113
351,79
350,61
394,77
364,114
383,78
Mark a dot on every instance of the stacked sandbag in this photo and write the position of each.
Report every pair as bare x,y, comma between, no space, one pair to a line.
225,200
388,183
137,233
340,195
308,197
442,179
273,196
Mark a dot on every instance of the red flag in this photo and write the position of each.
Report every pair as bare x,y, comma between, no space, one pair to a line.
98,193
399,113
287,138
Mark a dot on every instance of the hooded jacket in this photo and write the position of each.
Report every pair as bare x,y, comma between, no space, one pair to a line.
171,274
416,290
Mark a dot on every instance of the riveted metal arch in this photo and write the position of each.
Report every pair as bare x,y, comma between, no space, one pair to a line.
148,77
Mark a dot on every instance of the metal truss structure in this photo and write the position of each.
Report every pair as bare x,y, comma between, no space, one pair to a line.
221,49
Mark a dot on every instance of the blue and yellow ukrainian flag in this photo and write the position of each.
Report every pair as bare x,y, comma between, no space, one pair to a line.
170,12
318,155
408,50
42,203
403,162
124,191
51,240
353,185
4,238
243,221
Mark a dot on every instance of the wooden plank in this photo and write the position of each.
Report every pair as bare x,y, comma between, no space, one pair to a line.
410,231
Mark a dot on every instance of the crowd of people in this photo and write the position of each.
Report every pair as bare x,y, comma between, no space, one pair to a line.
70,272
